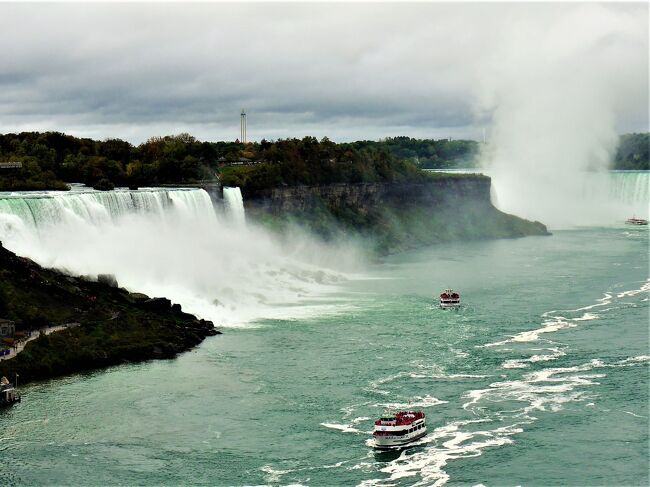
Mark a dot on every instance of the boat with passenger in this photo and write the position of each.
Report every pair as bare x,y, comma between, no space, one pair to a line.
449,299
8,393
400,429
636,221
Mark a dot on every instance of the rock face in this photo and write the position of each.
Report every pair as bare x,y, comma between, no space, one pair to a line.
113,325
108,279
394,216
366,197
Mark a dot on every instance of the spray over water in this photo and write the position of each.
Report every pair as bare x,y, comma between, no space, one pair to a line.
554,89
172,243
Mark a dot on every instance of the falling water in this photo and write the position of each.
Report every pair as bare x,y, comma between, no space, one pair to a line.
167,242
235,205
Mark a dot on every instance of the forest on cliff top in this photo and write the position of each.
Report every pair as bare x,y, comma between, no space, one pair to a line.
51,158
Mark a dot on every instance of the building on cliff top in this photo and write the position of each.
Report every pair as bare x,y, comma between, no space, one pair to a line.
7,328
11,165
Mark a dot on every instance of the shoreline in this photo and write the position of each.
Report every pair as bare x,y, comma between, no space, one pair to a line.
111,325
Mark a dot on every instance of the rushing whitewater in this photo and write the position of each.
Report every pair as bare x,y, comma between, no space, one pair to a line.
596,198
588,198
167,243
235,204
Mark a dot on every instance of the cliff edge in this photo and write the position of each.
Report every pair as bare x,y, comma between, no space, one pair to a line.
100,324
394,216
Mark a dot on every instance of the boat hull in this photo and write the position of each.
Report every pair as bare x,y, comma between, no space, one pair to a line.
388,443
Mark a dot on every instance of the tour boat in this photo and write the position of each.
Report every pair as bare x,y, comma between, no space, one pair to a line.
400,429
449,299
636,221
8,394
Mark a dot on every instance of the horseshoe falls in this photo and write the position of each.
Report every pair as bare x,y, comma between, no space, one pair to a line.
630,189
590,198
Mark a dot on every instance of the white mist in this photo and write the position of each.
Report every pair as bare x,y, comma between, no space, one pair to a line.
173,244
553,87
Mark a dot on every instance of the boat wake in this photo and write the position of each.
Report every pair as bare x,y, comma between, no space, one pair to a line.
503,408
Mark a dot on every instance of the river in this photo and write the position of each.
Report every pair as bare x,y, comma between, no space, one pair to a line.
541,378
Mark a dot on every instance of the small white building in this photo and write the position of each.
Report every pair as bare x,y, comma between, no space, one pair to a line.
11,165
7,328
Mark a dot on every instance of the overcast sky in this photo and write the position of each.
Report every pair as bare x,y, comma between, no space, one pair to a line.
346,71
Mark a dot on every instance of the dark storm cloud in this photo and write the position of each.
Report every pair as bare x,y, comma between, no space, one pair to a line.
346,71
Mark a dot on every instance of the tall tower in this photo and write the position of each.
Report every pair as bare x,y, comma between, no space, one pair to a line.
242,126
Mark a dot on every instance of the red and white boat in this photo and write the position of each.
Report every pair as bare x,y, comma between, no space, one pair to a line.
399,430
8,394
449,299
636,221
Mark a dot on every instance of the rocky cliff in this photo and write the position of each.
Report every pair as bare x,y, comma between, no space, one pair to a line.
103,324
394,216
368,196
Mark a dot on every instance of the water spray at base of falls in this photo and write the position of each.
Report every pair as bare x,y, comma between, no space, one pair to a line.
554,97
586,199
168,243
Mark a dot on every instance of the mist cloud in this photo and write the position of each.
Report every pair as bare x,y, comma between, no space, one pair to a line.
555,88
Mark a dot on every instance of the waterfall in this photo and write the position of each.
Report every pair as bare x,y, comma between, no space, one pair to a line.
631,187
96,207
234,205
172,243
617,195
595,198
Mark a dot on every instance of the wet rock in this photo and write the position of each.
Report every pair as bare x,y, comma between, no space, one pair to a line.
138,297
108,279
157,304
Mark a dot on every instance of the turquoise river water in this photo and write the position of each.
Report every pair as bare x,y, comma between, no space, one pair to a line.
541,378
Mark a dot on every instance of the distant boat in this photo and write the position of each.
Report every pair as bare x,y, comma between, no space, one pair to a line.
449,299
398,430
636,221
8,393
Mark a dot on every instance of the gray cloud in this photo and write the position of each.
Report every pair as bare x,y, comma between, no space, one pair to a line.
348,71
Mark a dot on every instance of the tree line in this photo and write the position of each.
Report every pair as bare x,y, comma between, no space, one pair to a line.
633,152
50,158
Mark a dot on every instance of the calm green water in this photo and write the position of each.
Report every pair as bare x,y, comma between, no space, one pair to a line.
540,379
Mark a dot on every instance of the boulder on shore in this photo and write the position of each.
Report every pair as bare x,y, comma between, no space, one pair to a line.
157,304
108,279
138,297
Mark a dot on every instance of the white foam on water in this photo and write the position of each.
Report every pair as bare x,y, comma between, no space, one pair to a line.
448,442
515,364
273,475
544,390
525,362
549,326
555,322
417,402
643,289
345,428
628,362
587,317
459,353
437,373
635,415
